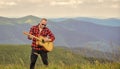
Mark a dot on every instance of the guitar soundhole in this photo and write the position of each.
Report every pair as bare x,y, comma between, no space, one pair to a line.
43,41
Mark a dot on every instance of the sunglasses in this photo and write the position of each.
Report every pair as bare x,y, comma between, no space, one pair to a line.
44,24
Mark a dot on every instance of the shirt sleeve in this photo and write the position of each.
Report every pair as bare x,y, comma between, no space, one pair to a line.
51,35
30,32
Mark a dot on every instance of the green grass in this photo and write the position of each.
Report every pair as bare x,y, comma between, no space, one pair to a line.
18,57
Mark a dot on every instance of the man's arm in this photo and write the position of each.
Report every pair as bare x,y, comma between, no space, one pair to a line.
51,36
30,32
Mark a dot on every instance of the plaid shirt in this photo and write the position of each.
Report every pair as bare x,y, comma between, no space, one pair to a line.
36,32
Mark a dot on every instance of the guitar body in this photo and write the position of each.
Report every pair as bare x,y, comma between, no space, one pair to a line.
47,45
40,41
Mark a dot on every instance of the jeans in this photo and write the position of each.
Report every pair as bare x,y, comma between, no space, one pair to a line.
34,56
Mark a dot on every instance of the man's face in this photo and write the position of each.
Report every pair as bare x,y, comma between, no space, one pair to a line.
43,23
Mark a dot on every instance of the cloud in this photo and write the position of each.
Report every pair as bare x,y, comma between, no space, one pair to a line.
7,4
101,1
51,8
72,3
35,1
115,0
115,6
59,3
10,3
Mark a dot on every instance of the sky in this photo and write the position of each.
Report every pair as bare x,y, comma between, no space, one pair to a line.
60,8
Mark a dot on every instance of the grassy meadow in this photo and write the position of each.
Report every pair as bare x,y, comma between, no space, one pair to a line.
18,57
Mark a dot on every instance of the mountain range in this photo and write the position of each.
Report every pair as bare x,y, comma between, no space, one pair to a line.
96,34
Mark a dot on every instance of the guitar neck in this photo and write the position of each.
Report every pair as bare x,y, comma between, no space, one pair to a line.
26,33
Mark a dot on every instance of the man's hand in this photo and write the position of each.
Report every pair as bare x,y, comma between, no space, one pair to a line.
30,37
47,39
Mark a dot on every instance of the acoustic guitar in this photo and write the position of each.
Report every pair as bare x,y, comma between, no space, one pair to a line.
40,41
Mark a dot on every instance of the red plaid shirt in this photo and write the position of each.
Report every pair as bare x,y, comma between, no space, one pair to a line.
45,32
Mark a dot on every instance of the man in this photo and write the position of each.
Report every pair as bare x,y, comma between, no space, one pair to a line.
40,30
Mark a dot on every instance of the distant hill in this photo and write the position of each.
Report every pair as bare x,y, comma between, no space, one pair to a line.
89,52
115,22
22,20
70,32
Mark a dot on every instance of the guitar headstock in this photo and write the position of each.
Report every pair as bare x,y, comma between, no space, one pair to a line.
26,33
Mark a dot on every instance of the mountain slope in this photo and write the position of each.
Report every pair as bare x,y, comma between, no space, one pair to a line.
68,32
